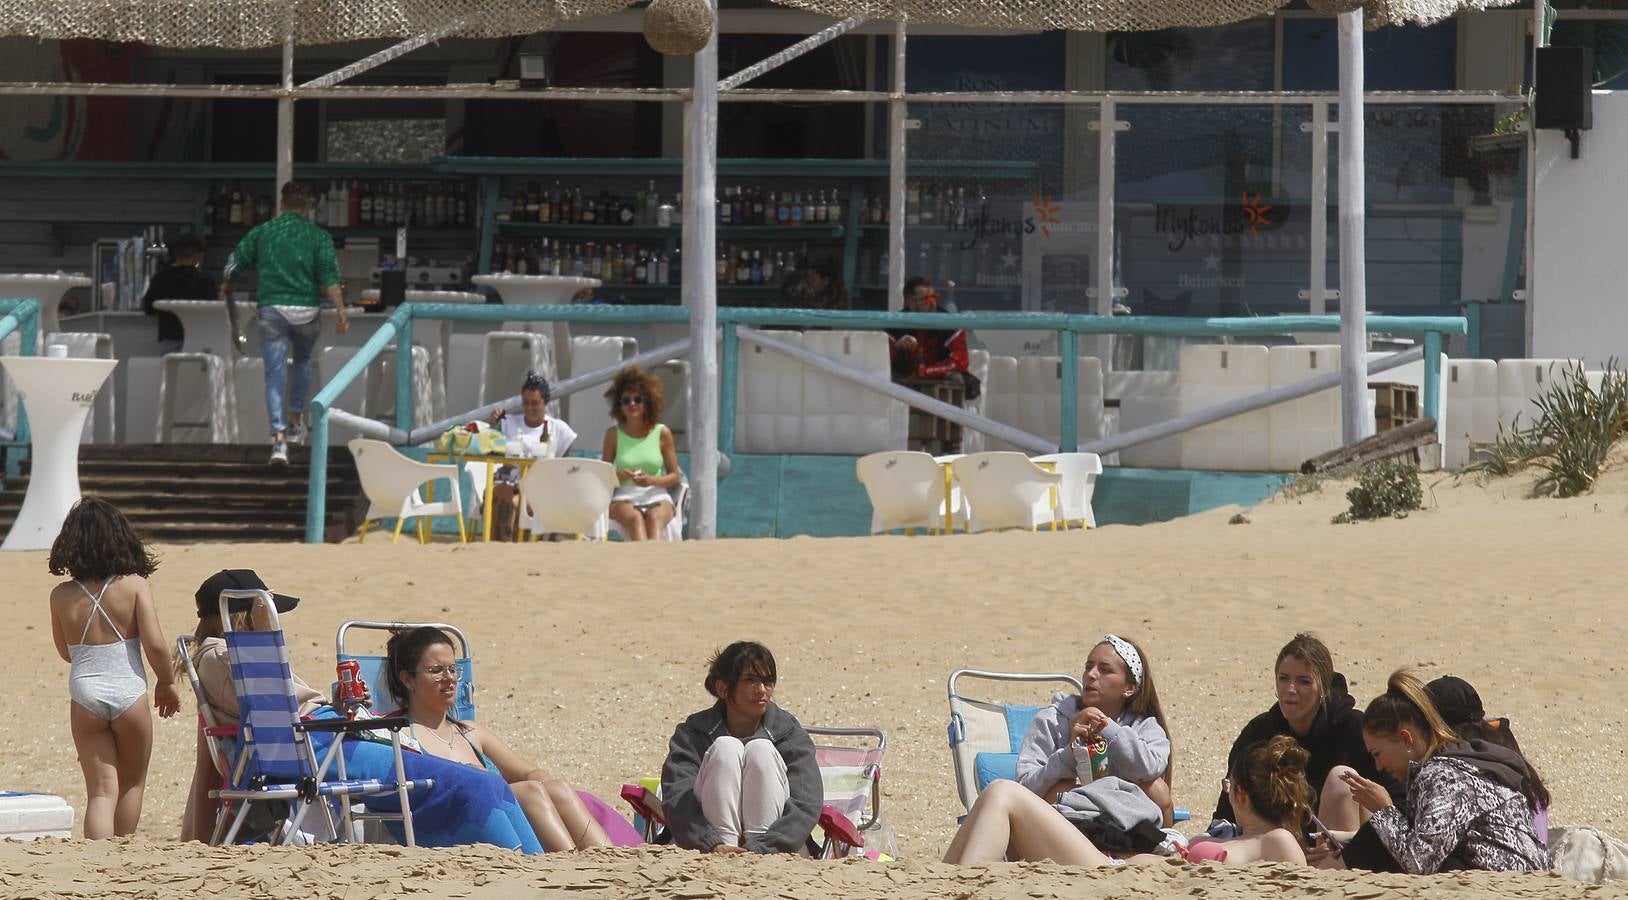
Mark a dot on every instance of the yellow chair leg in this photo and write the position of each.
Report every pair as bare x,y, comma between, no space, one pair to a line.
399,522
463,536
361,536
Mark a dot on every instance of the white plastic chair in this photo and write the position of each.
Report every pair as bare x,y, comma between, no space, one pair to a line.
906,490
568,496
392,482
1005,490
1079,472
675,526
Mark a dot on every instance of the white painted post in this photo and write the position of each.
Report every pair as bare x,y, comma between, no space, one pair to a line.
1353,224
700,286
1318,289
1107,130
896,164
285,109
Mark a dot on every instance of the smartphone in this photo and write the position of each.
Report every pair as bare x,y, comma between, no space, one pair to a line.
1334,843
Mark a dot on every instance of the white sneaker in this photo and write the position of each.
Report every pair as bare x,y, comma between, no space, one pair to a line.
296,433
279,453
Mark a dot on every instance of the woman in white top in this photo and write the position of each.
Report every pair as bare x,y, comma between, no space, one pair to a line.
550,436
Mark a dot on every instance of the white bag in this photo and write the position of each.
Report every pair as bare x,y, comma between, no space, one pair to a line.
1584,853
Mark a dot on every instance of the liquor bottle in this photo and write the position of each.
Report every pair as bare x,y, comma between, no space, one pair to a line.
797,210
723,265
821,211
630,264
768,268
929,206
833,208
757,267
319,210
534,208
588,214
625,214
912,204
353,204
743,268
652,202
675,274
865,210
367,204
664,270
782,212
759,208
723,208
234,207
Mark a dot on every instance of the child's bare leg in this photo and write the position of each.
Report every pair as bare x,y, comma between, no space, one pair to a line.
133,741
98,759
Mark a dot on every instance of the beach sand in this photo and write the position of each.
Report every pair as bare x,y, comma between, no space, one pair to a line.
586,656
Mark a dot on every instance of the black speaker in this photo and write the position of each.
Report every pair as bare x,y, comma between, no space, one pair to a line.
1565,88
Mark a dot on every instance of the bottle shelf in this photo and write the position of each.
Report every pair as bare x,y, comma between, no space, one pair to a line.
360,231
766,232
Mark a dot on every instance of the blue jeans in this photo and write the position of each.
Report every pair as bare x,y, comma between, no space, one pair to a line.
278,341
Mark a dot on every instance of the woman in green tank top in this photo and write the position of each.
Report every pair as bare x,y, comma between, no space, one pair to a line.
642,450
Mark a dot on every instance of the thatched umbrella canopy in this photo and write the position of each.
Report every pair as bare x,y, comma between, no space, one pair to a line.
261,23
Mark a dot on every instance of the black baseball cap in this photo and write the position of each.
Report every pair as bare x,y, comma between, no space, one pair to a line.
208,595
1456,700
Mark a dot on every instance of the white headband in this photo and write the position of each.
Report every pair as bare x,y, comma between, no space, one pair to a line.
1133,660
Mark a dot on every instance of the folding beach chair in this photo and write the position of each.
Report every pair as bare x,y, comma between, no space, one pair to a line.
373,669
275,762
985,734
850,816
215,734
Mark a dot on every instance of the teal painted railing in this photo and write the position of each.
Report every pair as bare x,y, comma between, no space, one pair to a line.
23,317
399,328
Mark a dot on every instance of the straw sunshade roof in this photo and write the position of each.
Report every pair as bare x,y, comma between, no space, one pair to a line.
260,23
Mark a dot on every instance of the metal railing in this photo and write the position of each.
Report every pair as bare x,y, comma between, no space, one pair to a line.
23,317
398,329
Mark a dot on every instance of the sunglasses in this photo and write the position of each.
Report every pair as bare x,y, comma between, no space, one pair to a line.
633,400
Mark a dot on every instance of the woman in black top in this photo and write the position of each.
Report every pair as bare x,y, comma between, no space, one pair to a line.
1314,709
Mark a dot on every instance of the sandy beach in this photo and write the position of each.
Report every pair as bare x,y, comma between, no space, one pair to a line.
586,655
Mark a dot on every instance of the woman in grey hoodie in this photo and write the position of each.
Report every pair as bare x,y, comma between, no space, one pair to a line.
741,776
1114,727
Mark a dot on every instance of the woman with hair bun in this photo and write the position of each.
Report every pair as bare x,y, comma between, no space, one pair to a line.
1267,789
550,435
740,775
1315,710
1468,803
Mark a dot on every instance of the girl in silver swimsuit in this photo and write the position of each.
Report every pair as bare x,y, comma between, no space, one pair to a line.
109,602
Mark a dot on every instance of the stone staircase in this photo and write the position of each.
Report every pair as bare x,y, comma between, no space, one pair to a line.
191,493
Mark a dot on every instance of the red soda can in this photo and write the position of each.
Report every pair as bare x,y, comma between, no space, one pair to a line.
351,689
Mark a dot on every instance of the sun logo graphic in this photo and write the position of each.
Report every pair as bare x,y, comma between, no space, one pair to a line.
1256,213
1046,213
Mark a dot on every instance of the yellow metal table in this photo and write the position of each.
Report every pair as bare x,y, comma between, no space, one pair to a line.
493,463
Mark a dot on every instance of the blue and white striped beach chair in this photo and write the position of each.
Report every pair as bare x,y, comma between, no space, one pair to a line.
276,760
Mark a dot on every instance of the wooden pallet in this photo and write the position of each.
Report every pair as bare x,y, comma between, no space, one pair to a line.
1395,405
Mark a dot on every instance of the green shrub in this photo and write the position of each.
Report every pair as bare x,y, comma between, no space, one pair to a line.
1571,438
1385,489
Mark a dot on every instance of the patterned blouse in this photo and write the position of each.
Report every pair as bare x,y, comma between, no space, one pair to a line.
1461,820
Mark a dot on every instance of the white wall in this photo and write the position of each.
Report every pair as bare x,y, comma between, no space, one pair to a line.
1580,302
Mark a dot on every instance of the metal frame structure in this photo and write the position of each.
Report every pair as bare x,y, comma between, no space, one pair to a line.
700,165
399,329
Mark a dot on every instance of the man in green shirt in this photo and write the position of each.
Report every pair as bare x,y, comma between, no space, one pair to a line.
297,268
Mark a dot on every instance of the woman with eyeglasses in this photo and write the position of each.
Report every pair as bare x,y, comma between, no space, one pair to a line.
642,450
423,677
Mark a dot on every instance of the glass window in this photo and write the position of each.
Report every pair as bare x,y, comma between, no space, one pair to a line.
1395,59
1235,57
